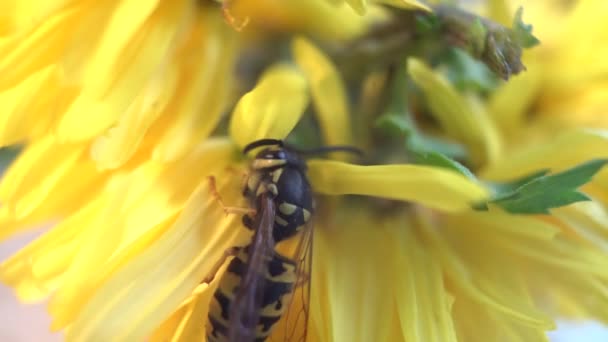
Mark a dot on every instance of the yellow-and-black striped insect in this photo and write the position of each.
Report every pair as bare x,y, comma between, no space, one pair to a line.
256,289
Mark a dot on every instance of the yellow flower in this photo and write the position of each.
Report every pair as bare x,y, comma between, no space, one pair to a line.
117,102
566,80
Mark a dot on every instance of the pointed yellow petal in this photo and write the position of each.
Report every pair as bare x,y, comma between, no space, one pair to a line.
328,92
460,259
29,110
24,54
202,93
46,168
37,269
501,222
406,4
500,11
347,292
462,118
360,6
588,219
135,45
434,187
272,108
130,198
120,142
565,150
423,303
509,104
152,285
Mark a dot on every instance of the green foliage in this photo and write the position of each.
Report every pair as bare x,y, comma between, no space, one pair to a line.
7,155
498,47
539,192
522,32
437,159
424,149
468,74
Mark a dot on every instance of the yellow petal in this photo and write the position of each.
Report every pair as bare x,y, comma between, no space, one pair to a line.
500,11
423,303
509,104
434,187
406,4
345,292
120,142
46,168
130,198
37,269
504,223
339,22
460,117
201,96
360,6
149,287
272,108
26,53
460,258
135,45
29,110
563,151
588,219
328,92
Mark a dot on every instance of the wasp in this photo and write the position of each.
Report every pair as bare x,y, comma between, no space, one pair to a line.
256,289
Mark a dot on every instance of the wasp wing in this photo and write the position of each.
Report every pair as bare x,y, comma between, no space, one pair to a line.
294,323
244,311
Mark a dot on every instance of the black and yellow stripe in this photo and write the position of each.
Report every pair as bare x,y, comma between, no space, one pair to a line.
279,281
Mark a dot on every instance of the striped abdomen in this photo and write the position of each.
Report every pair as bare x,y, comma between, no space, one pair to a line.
279,276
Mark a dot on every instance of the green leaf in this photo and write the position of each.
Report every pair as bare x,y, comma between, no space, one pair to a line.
437,159
510,187
468,74
537,193
425,149
522,32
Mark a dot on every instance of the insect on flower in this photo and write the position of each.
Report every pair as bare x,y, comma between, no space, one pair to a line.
256,289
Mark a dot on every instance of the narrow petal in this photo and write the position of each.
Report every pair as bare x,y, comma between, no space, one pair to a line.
120,142
149,287
135,45
346,291
406,4
423,303
36,270
202,93
339,22
460,117
434,187
563,151
588,219
29,110
38,47
509,104
46,168
328,92
130,198
360,6
272,108
459,249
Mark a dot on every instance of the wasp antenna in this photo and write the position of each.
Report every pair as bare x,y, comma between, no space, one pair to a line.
329,149
262,142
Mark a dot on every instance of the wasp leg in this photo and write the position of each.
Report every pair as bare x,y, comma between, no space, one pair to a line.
227,209
232,251
237,24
